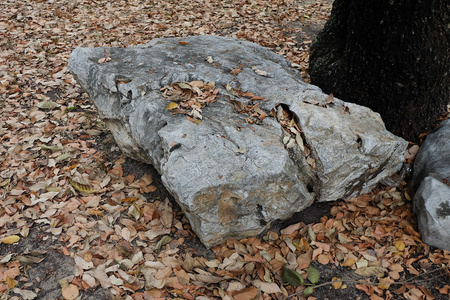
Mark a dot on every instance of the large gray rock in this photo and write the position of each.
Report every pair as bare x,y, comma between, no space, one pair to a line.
432,198
232,178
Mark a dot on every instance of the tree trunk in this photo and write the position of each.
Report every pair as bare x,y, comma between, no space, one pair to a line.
392,56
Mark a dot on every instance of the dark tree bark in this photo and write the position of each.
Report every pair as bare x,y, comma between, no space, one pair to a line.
392,56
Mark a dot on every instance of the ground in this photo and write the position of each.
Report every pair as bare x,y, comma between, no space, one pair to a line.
80,221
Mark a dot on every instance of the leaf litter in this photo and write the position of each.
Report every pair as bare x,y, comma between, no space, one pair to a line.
56,173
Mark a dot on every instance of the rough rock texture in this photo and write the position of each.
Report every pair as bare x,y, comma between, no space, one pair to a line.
432,199
230,177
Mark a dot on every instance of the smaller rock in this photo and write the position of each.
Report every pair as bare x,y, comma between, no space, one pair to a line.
431,178
432,206
434,155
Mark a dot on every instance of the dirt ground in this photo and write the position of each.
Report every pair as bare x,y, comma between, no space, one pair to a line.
53,265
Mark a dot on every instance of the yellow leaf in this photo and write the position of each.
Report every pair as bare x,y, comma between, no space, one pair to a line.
11,283
172,105
4,182
11,239
348,262
384,283
302,245
84,188
400,245
383,286
337,283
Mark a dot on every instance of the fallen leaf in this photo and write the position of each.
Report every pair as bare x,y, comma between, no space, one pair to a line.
10,239
26,294
246,294
163,241
172,105
70,292
84,188
291,277
313,274
266,287
10,282
370,271
400,245
47,105
337,283
259,72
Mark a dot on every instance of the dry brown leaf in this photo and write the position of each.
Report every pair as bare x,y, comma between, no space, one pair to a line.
246,294
266,287
10,282
70,292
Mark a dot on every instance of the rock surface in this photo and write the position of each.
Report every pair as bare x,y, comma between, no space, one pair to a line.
234,173
432,198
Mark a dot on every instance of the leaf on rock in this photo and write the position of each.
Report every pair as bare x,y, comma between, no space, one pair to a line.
329,99
231,90
172,105
259,72
184,86
196,121
236,71
238,105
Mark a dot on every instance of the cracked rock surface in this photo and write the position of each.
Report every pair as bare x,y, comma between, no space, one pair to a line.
232,175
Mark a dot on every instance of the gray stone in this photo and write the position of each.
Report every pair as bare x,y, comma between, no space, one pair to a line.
432,198
434,155
230,177
432,206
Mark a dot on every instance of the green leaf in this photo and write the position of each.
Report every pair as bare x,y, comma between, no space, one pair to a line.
308,291
291,277
62,157
313,275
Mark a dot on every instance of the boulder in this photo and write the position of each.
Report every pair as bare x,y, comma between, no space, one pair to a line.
432,178
238,138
